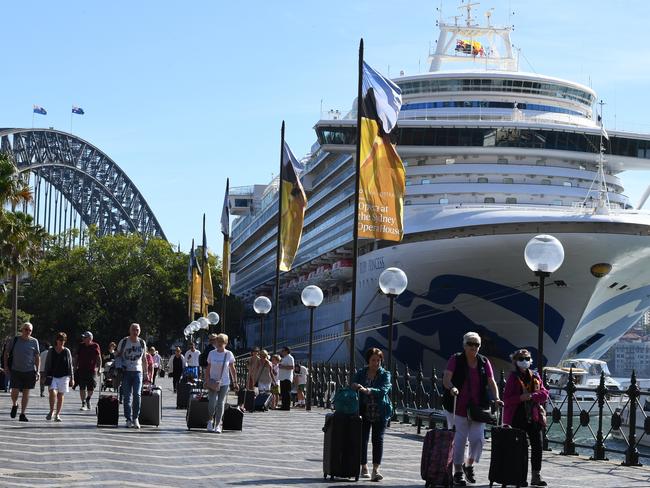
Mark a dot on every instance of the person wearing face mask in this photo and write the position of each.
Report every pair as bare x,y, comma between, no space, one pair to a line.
524,397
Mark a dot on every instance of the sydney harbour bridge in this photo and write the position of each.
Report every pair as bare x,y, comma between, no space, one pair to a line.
76,185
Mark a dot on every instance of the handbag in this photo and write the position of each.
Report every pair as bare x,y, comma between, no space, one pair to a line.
371,411
213,384
477,414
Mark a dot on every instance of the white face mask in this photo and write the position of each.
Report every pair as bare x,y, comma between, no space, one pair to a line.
523,364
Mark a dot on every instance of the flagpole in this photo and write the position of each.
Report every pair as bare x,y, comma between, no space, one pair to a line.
191,311
277,256
203,254
355,229
224,297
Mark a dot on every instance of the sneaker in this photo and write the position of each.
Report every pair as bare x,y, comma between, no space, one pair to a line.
459,480
136,424
536,480
23,418
87,403
14,411
469,473
58,418
129,424
218,429
364,472
83,407
210,426
48,416
376,475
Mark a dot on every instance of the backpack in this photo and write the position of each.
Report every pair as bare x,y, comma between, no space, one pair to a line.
346,401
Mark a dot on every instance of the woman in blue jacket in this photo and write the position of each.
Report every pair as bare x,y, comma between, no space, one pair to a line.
373,384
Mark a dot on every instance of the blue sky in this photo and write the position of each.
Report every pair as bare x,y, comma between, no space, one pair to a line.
184,94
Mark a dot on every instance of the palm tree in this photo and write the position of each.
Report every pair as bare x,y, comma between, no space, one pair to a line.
21,242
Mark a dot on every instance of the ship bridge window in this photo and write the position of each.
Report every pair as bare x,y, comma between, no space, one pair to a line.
489,200
443,201
426,181
502,161
508,180
567,183
482,180
409,182
546,182
557,203
511,200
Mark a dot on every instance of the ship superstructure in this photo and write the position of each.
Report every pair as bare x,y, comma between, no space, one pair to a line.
493,156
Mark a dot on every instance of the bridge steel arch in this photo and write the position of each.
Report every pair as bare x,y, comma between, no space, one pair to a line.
95,186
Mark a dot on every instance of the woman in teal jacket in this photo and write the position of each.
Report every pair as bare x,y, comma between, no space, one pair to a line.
373,384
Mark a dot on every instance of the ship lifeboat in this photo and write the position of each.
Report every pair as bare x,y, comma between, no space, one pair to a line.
342,270
302,281
312,278
323,273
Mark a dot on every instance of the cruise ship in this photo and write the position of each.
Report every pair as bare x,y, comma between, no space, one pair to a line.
494,156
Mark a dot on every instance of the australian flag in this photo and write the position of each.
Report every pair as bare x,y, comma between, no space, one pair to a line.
39,110
77,110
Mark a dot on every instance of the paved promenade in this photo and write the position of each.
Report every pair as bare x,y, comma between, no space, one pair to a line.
275,449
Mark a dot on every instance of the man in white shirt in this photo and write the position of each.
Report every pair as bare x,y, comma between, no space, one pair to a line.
192,358
286,377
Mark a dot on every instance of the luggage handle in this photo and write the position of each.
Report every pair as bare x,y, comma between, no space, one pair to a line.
453,425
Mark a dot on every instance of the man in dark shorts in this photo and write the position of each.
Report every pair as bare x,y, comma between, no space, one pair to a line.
23,361
89,361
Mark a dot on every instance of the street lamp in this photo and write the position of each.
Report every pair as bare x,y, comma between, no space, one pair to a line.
392,282
204,324
543,255
312,297
213,318
262,306
194,327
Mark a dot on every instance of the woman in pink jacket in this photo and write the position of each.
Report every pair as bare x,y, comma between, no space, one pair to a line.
524,399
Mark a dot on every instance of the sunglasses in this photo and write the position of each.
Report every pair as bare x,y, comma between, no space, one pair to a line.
473,344
524,359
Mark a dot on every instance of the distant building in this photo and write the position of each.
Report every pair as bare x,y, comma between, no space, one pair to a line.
632,352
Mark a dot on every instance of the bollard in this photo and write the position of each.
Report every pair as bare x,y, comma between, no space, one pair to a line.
599,447
569,444
632,453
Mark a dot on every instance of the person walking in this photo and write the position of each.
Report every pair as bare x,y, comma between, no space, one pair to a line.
524,397
220,368
149,372
470,378
192,356
275,386
176,365
132,349
286,377
157,362
374,385
59,372
89,362
23,361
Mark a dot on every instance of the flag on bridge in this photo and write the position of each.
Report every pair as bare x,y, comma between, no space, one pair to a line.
382,179
225,230
39,110
294,204
77,110
193,285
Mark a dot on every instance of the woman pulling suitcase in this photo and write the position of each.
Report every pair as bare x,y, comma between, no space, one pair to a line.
524,399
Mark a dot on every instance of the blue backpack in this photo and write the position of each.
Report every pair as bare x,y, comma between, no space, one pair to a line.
346,401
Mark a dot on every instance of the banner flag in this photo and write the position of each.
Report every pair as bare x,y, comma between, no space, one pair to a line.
382,177
294,204
225,230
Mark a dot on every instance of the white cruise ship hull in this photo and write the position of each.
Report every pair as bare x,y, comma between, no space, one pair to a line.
472,282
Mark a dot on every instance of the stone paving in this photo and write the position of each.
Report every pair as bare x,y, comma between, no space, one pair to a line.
275,449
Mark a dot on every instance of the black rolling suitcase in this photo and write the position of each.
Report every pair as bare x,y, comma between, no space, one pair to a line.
246,399
233,418
151,406
342,446
509,457
197,410
108,411
263,402
183,394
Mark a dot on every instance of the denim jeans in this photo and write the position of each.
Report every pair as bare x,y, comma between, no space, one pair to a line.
132,389
378,429
216,402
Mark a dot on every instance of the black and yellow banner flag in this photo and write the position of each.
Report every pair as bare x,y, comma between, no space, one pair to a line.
294,204
193,285
225,230
382,179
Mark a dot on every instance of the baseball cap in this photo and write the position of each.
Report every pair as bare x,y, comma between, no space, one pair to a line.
87,334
